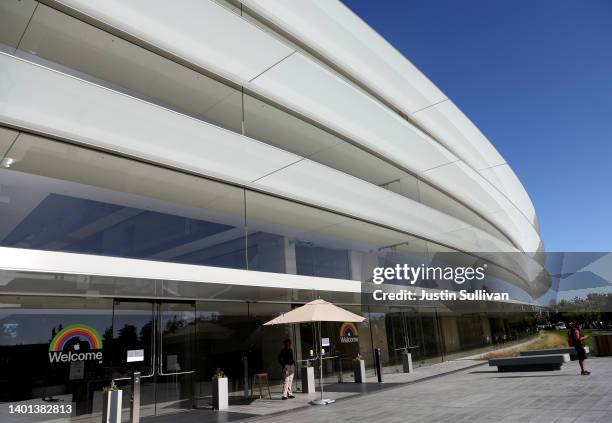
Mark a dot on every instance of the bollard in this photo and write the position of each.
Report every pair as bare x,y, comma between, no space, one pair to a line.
135,399
378,363
245,370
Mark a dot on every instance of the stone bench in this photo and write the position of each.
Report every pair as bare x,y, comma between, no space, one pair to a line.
566,350
531,363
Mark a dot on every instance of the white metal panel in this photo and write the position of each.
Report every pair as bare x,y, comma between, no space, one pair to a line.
199,31
334,31
308,180
450,126
471,188
314,183
522,228
308,88
467,185
19,259
117,63
234,48
47,101
504,178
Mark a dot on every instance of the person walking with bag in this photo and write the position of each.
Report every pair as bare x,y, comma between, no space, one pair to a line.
575,339
285,358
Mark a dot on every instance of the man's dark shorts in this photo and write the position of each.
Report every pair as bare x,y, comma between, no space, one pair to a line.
581,352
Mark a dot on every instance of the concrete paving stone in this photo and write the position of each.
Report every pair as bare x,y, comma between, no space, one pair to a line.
471,395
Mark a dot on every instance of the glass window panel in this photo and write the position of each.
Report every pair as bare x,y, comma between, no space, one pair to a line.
29,328
274,126
225,336
7,136
68,198
132,330
177,335
14,17
294,238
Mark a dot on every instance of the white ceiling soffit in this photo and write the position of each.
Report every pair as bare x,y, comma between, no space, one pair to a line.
336,33
49,102
231,49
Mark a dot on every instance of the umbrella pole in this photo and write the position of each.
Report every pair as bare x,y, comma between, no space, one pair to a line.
322,401
320,362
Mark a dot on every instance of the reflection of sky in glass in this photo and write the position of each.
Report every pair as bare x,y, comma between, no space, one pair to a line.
578,274
74,224
10,330
26,327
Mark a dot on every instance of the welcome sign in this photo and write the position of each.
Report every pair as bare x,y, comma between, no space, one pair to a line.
348,333
77,342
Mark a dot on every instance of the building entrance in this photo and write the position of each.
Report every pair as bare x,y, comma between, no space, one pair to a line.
161,336
64,351
413,332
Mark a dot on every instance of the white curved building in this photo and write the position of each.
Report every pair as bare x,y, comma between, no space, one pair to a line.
218,162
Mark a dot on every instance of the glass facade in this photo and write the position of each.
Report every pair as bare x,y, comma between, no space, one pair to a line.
61,197
184,342
65,43
56,196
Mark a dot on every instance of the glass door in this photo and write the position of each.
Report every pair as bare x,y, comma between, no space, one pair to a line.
133,330
161,335
175,357
400,338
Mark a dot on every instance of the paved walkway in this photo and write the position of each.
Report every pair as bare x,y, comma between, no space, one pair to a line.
479,395
338,391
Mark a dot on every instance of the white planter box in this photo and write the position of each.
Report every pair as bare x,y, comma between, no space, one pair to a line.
111,407
407,363
359,371
308,380
220,394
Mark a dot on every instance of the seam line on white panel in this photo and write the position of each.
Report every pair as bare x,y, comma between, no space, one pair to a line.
11,145
491,167
430,106
271,66
277,170
26,28
442,165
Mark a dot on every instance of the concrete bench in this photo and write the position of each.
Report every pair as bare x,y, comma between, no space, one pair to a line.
531,363
566,350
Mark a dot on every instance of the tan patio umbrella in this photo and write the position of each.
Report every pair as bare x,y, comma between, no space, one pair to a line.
317,311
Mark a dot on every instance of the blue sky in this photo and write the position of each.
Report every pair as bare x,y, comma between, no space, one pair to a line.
536,78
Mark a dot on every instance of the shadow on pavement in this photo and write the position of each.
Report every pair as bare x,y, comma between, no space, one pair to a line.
521,376
209,416
360,387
